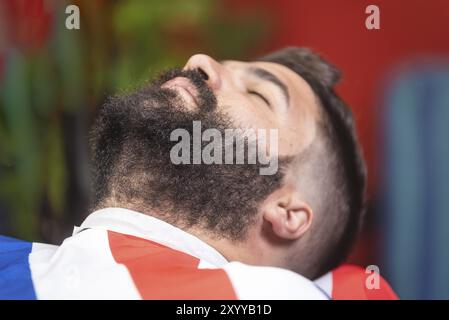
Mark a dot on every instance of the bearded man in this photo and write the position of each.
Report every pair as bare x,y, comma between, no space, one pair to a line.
162,228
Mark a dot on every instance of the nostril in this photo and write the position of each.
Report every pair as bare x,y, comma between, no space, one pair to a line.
203,74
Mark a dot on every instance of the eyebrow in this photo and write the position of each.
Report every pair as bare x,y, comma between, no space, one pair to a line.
268,76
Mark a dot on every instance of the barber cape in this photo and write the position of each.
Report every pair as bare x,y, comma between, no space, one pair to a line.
121,254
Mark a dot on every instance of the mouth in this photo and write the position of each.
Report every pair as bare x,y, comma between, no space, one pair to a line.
185,89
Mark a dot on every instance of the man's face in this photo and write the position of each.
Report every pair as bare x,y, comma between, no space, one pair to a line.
257,95
132,142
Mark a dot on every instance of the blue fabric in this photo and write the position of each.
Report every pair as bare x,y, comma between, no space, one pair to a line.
15,273
416,183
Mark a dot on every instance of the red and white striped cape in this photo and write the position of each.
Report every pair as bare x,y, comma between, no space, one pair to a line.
121,254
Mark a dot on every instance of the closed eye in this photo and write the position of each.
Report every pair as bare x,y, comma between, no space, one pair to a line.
260,96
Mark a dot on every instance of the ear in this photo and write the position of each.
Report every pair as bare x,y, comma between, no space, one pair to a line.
289,216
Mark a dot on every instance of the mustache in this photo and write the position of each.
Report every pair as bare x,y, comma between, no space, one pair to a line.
206,97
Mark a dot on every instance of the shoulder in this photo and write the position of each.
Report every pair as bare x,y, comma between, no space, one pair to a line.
15,270
259,282
351,282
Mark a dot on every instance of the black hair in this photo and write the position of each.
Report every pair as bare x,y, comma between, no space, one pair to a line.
343,190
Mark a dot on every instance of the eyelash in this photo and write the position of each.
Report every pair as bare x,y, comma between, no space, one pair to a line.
260,96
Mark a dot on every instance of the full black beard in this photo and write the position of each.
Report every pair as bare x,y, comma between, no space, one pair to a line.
131,146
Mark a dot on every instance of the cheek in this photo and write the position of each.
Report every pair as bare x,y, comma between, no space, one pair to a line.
296,135
246,113
289,143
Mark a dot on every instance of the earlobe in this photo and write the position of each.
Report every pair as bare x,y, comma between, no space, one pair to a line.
289,216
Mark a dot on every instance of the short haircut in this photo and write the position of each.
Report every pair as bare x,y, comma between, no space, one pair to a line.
332,169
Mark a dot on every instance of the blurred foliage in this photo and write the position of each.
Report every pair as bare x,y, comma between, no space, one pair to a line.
51,72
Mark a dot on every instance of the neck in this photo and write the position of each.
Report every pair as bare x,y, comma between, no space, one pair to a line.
253,250
248,251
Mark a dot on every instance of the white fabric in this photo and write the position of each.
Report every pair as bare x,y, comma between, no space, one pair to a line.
83,267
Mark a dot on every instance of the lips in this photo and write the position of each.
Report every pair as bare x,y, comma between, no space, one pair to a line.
185,88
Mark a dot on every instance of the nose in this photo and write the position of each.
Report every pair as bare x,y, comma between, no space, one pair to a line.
211,69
